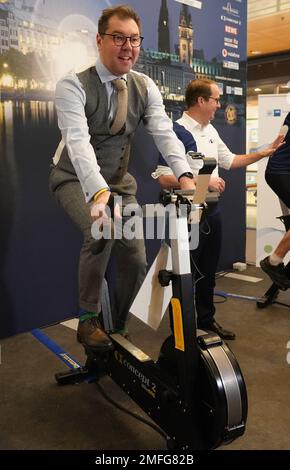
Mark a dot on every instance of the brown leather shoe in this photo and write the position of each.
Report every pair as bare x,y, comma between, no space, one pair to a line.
90,335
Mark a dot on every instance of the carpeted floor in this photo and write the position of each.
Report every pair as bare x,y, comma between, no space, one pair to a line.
38,414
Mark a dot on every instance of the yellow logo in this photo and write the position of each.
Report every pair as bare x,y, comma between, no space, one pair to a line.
178,325
231,114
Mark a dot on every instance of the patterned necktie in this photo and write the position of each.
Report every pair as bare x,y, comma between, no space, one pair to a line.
122,105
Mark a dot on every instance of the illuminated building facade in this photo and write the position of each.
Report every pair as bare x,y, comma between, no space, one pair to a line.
185,36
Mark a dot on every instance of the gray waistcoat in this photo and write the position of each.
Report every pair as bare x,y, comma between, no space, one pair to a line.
112,151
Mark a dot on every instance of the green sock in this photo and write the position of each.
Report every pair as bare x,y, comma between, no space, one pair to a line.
122,331
87,315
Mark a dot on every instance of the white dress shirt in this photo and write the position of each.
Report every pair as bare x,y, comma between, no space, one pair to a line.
208,142
70,100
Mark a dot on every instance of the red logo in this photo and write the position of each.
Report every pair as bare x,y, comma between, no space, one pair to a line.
231,30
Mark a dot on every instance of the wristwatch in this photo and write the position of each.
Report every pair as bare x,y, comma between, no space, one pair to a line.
187,174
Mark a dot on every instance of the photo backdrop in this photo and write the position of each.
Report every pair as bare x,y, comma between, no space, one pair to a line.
39,42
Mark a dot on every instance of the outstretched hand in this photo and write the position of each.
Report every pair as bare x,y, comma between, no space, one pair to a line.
277,143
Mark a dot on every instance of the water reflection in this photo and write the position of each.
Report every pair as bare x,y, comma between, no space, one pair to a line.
32,112
8,177
7,194
21,123
14,116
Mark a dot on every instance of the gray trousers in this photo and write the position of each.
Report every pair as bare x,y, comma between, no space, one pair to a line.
130,257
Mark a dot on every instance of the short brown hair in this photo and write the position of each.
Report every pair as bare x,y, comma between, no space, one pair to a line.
122,11
197,88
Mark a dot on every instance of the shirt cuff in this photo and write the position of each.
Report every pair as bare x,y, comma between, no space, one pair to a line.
161,170
92,185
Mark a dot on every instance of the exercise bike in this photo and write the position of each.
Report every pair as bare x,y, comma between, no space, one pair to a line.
195,391
270,296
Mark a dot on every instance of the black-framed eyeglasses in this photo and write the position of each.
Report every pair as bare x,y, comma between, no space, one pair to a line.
121,39
217,100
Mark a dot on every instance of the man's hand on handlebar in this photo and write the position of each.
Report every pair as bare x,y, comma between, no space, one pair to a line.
216,184
98,208
186,183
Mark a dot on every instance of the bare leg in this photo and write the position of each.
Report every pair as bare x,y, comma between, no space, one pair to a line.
284,245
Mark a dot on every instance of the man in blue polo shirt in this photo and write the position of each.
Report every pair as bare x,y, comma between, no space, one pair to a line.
202,99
